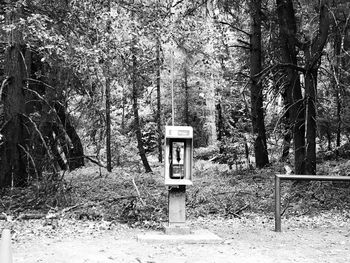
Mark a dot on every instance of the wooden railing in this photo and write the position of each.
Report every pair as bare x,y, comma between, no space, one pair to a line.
279,177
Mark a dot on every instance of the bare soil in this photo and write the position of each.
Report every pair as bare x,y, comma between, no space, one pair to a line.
244,240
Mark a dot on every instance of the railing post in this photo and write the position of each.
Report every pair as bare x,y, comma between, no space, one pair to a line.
277,204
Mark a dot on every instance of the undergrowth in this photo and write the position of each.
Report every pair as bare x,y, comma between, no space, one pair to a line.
141,199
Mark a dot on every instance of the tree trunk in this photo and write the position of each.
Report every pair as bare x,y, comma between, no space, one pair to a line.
137,127
220,126
310,96
187,98
53,142
63,140
287,133
13,160
210,117
335,81
107,72
287,138
293,95
108,123
257,111
246,152
123,110
75,155
159,109
313,52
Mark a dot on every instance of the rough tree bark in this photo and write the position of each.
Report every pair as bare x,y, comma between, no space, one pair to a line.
313,52
13,160
292,95
257,111
310,118
305,162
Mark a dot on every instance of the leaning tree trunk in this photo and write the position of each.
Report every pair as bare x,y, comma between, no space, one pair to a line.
137,127
257,111
53,143
75,153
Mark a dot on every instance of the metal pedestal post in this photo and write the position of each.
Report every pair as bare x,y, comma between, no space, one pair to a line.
177,211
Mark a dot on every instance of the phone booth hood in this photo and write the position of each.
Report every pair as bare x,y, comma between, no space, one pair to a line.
178,155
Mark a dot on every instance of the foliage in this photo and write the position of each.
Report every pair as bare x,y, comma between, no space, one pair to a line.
93,195
206,153
207,42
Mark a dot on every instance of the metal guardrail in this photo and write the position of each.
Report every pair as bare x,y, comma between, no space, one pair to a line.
279,177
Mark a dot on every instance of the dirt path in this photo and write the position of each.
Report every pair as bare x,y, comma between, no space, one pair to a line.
242,242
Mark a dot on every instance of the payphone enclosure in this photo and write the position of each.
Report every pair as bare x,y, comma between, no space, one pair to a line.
178,155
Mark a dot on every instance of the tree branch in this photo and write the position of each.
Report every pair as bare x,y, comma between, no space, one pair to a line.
239,46
138,192
94,161
244,42
277,66
31,159
235,28
3,84
42,139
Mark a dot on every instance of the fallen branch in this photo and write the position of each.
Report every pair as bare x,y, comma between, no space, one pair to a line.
285,209
224,193
30,216
233,192
239,210
94,161
65,210
122,197
137,190
214,158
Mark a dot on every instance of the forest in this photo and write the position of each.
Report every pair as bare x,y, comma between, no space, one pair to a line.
87,88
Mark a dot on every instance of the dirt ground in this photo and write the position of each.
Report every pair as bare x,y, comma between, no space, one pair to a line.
242,241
